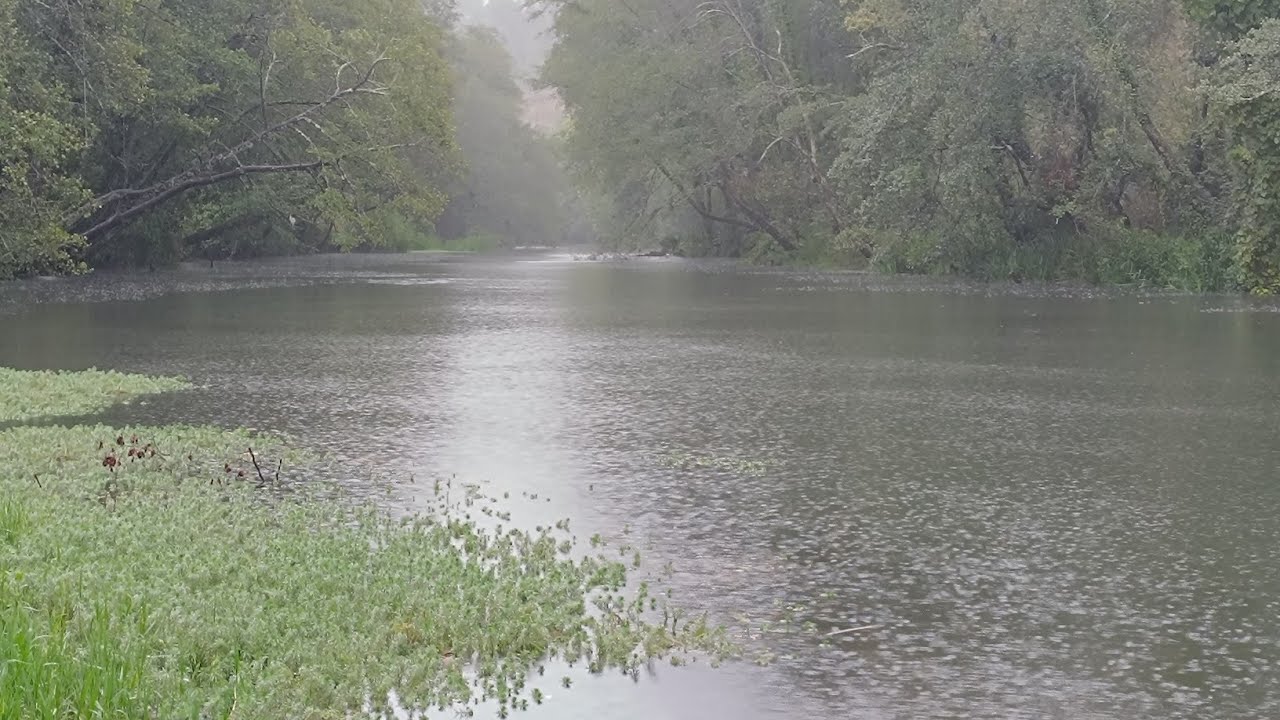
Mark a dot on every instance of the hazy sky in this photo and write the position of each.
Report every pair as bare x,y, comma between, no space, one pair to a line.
528,38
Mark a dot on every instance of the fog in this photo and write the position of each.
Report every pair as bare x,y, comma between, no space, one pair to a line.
527,34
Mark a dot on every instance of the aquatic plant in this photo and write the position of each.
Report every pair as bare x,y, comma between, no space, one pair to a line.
26,394
176,583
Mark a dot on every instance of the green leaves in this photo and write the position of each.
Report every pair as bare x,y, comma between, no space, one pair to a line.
1001,131
696,120
167,585
26,395
120,122
972,137
1235,18
37,144
1246,94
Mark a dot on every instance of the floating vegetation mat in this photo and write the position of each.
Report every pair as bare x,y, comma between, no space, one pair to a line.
167,572
26,395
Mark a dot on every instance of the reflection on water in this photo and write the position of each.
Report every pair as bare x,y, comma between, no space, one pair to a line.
1058,504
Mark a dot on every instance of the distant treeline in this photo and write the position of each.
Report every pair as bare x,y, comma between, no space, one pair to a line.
149,131
1107,140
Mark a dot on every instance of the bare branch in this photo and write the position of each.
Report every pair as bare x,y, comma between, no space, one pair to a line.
869,48
198,175
771,146
173,190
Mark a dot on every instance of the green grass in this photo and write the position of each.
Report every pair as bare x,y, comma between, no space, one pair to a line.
1118,256
398,233
178,585
25,395
474,243
1198,264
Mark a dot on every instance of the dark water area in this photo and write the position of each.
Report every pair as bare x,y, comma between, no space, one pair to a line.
1046,502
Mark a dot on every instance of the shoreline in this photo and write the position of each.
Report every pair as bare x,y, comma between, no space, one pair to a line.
169,571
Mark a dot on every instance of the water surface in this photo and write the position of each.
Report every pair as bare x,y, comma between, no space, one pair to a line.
1054,503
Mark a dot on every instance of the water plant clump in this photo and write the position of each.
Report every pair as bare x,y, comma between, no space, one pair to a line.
27,394
178,583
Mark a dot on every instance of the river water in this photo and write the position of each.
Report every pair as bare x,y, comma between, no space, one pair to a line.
1046,503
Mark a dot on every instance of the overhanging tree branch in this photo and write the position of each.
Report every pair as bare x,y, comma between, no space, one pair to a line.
191,183
699,207
208,172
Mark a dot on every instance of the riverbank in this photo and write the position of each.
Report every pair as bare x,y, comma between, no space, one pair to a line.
1203,263
181,571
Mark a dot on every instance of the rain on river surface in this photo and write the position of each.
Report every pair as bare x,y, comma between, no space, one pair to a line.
1024,502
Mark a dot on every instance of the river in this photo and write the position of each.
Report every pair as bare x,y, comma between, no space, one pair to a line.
1045,502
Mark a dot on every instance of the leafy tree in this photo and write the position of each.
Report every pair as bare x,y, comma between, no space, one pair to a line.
36,146
513,187
1242,52
701,119
992,128
210,125
988,137
1233,18
1247,93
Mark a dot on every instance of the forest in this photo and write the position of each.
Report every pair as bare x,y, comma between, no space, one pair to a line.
1114,141
143,132
1109,141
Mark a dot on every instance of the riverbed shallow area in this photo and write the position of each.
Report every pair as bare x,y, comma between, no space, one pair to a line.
905,498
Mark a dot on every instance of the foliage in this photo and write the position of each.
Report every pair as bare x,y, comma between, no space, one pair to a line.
995,138
1247,94
994,126
1234,18
152,131
25,394
429,242
174,584
36,145
1200,264
984,137
694,123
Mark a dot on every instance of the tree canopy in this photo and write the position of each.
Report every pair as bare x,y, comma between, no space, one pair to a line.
149,131
1115,140
1109,140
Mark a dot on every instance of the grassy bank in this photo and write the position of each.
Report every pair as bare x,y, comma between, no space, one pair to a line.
1202,262
156,573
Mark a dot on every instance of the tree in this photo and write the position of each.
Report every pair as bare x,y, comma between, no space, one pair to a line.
992,128
1247,94
36,146
187,116
988,137
512,188
702,119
